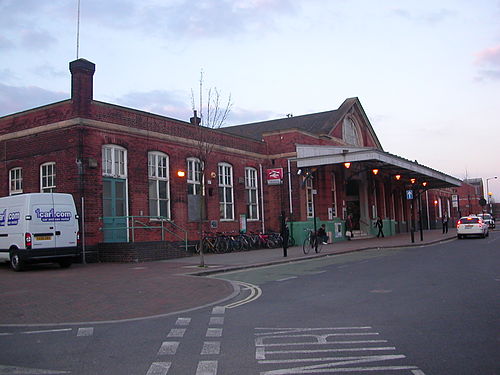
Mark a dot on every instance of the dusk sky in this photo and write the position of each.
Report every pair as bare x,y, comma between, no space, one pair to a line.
427,72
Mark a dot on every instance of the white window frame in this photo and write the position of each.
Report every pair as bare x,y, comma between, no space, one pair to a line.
251,186
225,172
350,132
114,161
15,181
48,177
158,173
194,174
334,196
309,198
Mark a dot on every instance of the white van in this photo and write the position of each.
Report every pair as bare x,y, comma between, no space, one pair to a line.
38,228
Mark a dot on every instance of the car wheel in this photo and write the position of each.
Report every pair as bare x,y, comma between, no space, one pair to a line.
15,261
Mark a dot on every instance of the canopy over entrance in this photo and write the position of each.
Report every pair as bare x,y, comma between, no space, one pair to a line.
365,159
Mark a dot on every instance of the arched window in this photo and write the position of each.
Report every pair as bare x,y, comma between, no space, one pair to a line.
350,132
15,181
159,188
252,193
114,161
194,176
48,177
226,197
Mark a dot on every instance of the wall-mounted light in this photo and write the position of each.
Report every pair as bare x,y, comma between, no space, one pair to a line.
347,165
413,180
435,202
397,177
424,184
181,174
375,171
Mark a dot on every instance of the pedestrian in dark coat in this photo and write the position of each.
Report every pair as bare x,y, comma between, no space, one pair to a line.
380,225
348,227
444,220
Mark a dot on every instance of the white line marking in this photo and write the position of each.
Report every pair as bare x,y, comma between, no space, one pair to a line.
289,330
417,372
261,353
255,292
176,332
168,348
25,370
6,334
218,310
183,321
211,348
159,368
216,320
47,331
329,342
85,331
336,361
207,368
313,370
287,278
214,332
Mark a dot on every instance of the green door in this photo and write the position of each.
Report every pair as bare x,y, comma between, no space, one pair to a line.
114,210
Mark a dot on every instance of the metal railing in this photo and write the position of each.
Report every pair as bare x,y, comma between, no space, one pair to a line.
134,223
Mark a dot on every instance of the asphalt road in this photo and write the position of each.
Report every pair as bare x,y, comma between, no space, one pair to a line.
418,311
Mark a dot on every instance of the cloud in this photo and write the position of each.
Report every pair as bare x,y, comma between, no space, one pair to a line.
489,62
16,99
430,18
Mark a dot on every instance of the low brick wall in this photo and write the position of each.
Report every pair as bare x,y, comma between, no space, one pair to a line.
131,252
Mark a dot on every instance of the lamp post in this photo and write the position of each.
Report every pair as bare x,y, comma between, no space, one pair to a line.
488,191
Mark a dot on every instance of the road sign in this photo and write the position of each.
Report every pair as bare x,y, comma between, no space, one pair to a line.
409,194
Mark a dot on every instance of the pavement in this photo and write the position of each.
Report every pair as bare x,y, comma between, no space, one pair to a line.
46,295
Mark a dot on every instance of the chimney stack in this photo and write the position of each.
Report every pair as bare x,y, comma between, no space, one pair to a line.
82,73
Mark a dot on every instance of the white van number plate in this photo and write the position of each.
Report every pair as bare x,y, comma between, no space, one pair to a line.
43,238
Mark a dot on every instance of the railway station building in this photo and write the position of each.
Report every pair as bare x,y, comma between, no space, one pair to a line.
143,182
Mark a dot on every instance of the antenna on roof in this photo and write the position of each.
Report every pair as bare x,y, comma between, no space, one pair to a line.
78,31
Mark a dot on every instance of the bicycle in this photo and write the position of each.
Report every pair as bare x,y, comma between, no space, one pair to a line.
312,242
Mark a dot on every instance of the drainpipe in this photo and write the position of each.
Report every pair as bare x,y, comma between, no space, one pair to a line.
427,204
262,198
290,188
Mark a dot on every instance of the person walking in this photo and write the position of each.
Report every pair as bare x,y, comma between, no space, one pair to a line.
322,236
380,225
348,227
444,220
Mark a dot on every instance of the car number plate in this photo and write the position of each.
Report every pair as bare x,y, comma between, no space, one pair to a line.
468,226
43,238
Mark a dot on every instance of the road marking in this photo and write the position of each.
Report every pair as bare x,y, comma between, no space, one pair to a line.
183,321
89,331
216,320
207,368
214,332
255,292
329,342
287,278
46,331
176,332
168,348
418,372
329,370
159,368
217,310
261,352
211,348
14,370
6,334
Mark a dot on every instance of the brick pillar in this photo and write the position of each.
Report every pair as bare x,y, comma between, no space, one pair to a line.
82,72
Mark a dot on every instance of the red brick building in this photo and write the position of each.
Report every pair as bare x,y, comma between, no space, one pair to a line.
121,166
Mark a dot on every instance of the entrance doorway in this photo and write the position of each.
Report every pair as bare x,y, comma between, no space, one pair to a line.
353,203
114,210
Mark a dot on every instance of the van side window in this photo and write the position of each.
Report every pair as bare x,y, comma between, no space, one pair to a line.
48,177
15,181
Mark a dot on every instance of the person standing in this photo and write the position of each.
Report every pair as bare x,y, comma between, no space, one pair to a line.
444,220
322,236
348,227
380,225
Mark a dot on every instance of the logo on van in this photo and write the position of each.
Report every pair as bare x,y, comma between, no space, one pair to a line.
13,218
52,215
2,218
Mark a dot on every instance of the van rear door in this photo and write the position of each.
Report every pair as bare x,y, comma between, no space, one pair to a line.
65,221
41,225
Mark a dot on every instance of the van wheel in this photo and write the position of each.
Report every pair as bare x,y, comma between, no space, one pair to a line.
64,263
15,261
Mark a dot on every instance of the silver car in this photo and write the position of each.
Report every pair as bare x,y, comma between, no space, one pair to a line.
488,219
471,226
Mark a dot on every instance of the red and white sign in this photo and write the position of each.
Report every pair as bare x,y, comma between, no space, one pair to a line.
274,176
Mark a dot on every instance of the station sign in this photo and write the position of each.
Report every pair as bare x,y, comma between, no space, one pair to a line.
274,176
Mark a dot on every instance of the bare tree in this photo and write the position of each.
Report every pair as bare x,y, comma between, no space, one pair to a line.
211,116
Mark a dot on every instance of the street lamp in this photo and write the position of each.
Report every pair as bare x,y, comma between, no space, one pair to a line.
488,191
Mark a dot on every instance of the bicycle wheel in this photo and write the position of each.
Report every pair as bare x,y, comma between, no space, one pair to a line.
320,245
306,246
